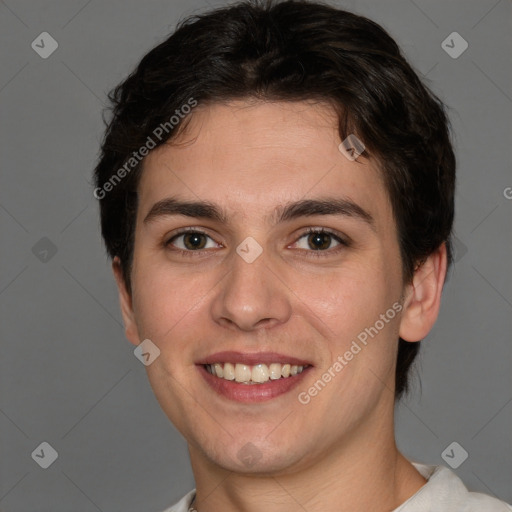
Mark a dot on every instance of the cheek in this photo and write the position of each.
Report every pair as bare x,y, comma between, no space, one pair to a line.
346,300
163,300
345,307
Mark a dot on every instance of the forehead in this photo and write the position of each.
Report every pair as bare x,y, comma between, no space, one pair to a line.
251,156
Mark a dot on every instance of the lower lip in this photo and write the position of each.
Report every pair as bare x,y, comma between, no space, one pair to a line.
250,393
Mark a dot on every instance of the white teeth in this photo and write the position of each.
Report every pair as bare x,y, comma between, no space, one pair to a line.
242,373
260,373
218,370
257,374
275,371
229,372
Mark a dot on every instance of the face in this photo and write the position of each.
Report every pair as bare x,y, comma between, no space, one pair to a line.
259,244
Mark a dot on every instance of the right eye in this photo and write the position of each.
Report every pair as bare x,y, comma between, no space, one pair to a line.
191,240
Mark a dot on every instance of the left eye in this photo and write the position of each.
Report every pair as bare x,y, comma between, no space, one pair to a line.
319,240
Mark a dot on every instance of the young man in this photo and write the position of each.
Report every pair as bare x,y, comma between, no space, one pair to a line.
276,189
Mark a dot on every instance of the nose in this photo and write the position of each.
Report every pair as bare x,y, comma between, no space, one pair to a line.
252,296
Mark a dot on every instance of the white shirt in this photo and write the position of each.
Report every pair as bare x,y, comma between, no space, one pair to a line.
443,492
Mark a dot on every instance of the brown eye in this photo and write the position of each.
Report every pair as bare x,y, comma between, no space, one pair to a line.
194,241
319,241
191,240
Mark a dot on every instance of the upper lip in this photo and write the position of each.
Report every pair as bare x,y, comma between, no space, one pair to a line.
252,358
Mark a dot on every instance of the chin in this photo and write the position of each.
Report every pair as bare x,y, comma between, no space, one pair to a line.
253,457
255,462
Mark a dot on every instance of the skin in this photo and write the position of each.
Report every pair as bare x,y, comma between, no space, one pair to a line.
337,452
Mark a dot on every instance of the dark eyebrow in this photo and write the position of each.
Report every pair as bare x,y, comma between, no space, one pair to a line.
198,209
323,206
287,212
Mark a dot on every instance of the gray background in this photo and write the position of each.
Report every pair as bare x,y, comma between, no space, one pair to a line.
67,374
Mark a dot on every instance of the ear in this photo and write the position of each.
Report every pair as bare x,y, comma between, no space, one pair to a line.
125,300
423,296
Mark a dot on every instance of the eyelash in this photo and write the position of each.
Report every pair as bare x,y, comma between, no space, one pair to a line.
310,253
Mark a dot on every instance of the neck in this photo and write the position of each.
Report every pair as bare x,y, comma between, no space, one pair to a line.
355,475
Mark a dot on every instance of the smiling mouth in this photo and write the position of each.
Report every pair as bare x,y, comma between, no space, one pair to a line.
254,374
